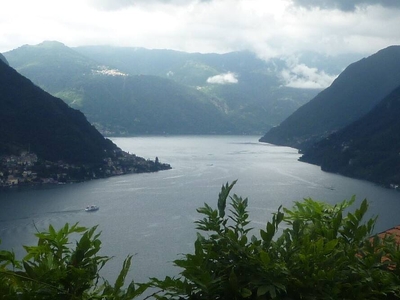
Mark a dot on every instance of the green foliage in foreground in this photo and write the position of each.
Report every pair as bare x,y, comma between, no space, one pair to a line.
312,251
55,270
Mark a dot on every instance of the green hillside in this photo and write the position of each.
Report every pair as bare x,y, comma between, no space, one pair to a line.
151,105
51,65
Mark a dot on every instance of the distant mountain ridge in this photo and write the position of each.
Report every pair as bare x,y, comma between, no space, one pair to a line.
258,98
51,65
120,99
194,68
354,93
367,149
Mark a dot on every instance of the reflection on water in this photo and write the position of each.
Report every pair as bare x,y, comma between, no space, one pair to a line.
152,215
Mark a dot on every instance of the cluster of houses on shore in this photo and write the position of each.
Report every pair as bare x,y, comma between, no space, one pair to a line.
27,169
15,170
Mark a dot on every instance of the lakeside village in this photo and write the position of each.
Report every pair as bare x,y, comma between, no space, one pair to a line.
29,170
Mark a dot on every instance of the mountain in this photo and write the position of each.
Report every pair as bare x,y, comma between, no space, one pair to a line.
32,118
367,149
151,105
208,93
118,103
60,137
254,95
360,87
51,65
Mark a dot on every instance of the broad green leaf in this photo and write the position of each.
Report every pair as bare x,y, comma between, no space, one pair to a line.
246,293
223,195
29,270
122,275
265,258
233,280
262,290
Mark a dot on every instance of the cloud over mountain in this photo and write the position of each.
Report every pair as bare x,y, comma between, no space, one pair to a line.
301,76
225,78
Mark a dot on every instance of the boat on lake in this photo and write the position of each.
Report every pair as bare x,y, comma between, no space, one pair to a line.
91,208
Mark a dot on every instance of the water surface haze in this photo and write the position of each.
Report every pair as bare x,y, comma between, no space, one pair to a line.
151,215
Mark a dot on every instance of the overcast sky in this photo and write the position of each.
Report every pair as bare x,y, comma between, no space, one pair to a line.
270,28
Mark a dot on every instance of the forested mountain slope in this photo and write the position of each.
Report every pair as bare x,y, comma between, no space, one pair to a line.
33,119
355,92
368,148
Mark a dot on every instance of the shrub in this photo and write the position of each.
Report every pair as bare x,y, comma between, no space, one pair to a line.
312,251
321,253
55,270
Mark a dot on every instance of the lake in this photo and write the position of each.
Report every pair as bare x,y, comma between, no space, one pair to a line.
151,215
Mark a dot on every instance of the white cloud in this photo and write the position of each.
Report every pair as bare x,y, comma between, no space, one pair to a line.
301,76
225,78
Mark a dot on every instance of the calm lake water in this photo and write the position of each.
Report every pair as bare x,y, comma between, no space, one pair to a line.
152,215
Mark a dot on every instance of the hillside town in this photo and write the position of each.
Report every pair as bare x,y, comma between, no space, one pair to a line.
27,169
